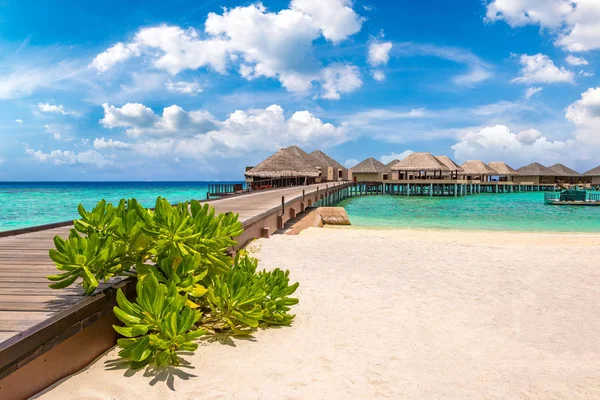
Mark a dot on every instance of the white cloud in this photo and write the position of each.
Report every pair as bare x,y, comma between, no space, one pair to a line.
19,121
103,144
1,160
575,61
379,53
532,91
574,23
498,143
586,74
55,109
256,42
379,76
340,78
539,68
395,156
67,157
114,55
141,120
585,114
350,163
191,88
243,132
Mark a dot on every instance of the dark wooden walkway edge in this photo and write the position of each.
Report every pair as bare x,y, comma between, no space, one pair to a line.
18,351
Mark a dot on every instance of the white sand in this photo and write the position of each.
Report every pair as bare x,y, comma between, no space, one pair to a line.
402,315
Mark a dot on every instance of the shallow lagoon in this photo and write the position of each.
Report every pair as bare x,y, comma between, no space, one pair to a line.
510,211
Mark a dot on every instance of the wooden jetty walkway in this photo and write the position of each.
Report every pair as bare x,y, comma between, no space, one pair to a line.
47,334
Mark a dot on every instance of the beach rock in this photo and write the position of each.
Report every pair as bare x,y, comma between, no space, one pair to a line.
333,216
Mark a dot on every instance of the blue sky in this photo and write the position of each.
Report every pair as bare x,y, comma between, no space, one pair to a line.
148,90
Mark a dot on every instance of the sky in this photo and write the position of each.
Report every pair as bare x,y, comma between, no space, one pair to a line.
198,90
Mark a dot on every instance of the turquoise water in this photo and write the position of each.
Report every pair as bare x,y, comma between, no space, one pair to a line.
510,211
37,203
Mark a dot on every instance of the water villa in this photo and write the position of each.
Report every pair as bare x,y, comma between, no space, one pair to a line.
477,170
593,176
335,170
565,174
505,171
535,175
371,170
390,165
454,168
287,167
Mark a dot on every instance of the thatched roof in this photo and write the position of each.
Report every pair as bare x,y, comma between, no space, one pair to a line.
563,170
535,169
420,162
392,163
370,166
502,168
448,162
307,157
286,163
478,167
593,172
325,159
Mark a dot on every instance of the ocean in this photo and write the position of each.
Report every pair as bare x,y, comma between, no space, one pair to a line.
25,204
37,203
500,212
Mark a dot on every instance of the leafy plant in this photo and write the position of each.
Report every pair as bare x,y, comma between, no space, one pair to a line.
157,326
179,256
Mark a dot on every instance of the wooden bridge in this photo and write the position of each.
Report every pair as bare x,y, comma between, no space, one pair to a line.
48,334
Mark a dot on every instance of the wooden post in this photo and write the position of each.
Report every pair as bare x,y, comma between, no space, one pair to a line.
292,213
264,233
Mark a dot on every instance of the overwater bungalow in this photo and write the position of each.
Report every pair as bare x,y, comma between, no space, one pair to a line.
395,174
505,171
535,174
324,171
454,168
417,166
371,170
592,176
287,167
565,174
335,170
477,170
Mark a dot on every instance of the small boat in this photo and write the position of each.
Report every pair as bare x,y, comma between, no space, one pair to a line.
572,197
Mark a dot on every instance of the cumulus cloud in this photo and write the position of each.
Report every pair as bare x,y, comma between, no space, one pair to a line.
67,157
498,143
395,156
574,23
256,42
585,114
19,121
191,88
378,75
575,61
54,109
539,68
340,78
103,144
141,120
532,91
114,55
378,55
197,134
56,133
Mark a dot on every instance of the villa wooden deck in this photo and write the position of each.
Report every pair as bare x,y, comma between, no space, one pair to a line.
35,318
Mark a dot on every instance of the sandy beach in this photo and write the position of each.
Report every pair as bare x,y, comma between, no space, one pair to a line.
400,314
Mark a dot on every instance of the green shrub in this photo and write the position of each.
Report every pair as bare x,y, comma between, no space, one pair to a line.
178,254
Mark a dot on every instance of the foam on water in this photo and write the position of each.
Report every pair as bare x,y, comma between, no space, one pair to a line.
510,211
